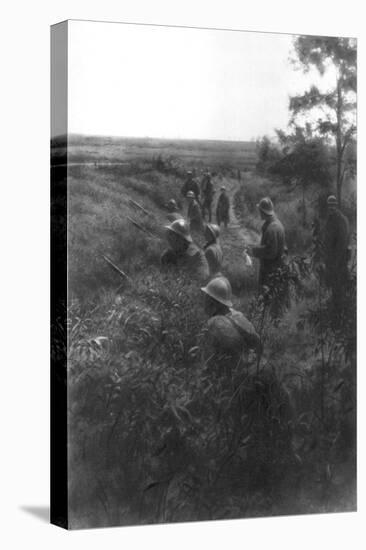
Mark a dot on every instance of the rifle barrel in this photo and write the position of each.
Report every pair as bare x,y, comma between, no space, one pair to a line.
139,206
147,231
117,269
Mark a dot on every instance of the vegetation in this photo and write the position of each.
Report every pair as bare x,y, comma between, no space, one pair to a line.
336,107
159,431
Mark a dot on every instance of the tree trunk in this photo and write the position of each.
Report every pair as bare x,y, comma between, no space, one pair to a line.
339,142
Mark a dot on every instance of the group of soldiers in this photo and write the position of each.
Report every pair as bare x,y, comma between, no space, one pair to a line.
201,197
228,330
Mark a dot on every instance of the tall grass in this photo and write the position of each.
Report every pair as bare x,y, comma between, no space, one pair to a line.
162,430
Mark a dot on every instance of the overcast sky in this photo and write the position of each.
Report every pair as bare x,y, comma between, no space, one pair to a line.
131,80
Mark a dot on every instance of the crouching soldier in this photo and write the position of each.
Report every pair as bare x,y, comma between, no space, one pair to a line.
229,332
212,248
173,211
183,253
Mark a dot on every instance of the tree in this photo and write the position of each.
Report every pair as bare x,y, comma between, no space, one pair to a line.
268,153
305,162
337,106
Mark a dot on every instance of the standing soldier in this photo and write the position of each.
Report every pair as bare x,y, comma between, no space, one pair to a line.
336,242
272,248
207,193
229,331
222,208
213,250
190,185
194,214
183,253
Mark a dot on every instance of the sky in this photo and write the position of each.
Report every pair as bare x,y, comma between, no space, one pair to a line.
166,82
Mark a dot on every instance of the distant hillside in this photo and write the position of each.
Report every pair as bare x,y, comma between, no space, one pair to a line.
201,153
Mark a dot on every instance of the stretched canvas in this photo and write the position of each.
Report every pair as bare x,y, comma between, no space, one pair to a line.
203,194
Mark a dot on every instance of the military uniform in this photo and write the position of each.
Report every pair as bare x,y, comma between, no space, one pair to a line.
336,241
207,190
232,333
190,185
192,260
271,250
222,209
194,216
214,257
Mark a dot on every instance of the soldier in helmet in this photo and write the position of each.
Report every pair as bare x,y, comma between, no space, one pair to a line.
229,331
272,248
335,243
212,248
190,185
223,207
173,210
207,193
182,252
194,214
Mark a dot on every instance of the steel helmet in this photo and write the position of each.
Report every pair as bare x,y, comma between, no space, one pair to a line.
172,203
214,229
331,200
181,228
266,206
223,188
190,195
219,289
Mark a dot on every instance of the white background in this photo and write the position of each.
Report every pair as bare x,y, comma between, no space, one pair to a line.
24,218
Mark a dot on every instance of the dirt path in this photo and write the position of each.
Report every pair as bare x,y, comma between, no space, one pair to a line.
236,230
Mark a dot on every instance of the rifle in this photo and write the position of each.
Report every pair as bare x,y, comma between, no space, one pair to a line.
147,231
134,203
115,268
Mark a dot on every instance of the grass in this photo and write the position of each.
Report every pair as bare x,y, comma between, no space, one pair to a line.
159,429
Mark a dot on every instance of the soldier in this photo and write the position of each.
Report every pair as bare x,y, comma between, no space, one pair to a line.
190,185
182,252
222,208
212,248
194,214
207,193
229,331
174,213
272,248
335,243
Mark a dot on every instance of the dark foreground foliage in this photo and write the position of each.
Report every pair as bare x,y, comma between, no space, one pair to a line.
159,429
160,433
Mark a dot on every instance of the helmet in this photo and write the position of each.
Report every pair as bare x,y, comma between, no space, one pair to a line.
223,188
266,206
189,173
219,289
181,228
214,230
172,203
190,195
332,201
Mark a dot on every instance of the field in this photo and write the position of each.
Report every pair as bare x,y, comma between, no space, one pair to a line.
157,432
212,154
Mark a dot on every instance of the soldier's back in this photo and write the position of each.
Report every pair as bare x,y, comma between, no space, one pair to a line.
214,257
232,333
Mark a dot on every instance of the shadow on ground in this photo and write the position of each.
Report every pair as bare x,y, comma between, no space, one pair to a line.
40,512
